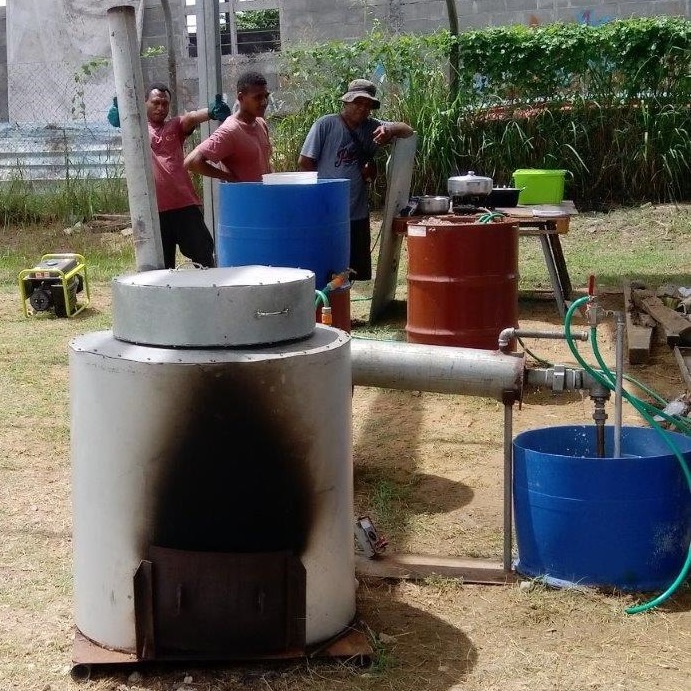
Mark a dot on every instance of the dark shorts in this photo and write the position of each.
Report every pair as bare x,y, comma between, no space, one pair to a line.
360,254
186,228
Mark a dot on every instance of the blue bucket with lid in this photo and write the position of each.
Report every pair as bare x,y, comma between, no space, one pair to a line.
305,226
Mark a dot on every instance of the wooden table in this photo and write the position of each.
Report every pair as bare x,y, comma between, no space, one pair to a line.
548,222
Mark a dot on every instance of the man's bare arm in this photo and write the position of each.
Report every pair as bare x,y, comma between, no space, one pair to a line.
195,162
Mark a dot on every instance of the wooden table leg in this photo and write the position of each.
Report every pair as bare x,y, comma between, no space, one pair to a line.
554,277
560,263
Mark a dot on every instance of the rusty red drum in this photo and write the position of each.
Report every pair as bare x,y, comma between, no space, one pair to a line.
339,300
462,281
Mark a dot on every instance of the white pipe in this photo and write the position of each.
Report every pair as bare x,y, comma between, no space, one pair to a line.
438,369
136,149
507,334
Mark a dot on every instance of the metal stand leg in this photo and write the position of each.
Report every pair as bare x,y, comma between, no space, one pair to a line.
560,264
508,486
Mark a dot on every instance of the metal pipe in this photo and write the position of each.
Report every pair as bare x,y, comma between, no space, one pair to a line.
438,369
507,334
508,485
620,318
136,148
469,371
600,417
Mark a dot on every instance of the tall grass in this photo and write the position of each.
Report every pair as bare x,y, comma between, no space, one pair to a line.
623,153
65,201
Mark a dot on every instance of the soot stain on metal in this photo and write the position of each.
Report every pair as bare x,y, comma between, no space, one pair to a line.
237,479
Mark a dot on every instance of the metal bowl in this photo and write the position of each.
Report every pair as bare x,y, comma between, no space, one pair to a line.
429,204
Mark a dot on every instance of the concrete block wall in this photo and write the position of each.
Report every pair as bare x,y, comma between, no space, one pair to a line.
309,21
314,20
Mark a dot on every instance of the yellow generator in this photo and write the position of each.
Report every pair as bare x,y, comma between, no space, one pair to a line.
53,285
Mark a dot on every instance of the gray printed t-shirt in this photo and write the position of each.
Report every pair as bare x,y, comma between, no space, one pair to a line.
331,145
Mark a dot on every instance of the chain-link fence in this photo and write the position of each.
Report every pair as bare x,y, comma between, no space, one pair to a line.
58,127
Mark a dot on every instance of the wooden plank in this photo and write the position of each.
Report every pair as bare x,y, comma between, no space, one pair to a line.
420,566
528,227
639,338
112,217
677,328
683,358
400,175
559,213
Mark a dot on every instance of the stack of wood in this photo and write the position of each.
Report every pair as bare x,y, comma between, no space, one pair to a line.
110,223
664,308
103,223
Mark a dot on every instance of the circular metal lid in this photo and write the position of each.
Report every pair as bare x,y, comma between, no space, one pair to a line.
233,306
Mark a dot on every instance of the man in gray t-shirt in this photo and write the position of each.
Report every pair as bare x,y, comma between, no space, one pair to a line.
340,146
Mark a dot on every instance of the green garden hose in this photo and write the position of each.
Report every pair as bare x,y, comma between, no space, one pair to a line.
321,297
606,378
489,217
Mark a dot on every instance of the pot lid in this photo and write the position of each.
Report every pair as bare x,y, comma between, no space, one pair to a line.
470,177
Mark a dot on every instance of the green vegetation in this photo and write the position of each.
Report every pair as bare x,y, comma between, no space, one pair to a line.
608,103
252,20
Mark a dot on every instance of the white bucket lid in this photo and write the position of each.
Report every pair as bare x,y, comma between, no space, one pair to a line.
290,178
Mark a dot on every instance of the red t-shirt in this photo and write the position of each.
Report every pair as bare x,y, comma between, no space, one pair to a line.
174,188
242,149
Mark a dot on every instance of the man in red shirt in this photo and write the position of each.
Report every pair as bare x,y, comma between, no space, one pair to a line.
240,149
179,208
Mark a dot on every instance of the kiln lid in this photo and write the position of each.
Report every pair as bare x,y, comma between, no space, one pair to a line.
220,307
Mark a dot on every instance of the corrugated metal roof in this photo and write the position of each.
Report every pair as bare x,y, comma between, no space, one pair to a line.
39,151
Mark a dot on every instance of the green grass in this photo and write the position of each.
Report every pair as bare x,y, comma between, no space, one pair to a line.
437,632
106,254
648,243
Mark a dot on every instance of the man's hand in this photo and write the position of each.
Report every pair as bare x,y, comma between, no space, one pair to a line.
114,113
218,109
382,135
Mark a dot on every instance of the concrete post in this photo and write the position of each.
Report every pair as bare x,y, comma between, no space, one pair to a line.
136,148
209,70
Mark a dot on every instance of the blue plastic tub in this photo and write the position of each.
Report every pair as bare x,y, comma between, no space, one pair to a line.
610,522
302,226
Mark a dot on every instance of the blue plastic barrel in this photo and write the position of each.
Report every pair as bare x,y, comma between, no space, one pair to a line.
609,522
302,226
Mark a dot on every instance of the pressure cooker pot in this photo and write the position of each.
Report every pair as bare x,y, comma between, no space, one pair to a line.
469,185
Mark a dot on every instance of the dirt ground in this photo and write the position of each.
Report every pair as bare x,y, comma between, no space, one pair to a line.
428,469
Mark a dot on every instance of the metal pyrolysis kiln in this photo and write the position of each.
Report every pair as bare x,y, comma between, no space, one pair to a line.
212,467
